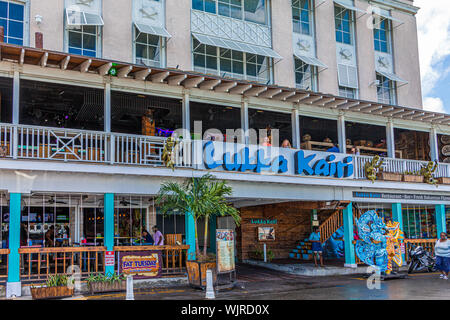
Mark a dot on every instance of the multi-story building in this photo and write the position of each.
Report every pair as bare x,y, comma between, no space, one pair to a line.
90,90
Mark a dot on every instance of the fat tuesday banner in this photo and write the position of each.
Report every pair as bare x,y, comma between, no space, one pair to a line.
267,160
140,264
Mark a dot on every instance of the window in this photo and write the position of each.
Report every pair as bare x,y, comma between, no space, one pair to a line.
419,222
301,16
147,49
248,10
12,21
305,75
347,92
231,63
83,40
343,22
381,35
385,90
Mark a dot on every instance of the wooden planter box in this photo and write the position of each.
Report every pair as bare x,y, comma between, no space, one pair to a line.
412,178
443,180
197,273
101,287
51,292
389,176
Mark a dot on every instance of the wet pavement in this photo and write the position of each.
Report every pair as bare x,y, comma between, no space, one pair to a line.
264,284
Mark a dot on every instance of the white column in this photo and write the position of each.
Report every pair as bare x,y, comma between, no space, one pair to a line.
16,111
107,111
434,150
244,120
390,139
295,129
341,134
186,113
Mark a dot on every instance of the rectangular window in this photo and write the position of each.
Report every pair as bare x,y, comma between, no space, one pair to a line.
382,35
147,49
231,63
248,10
344,25
386,90
12,21
347,92
301,16
305,75
83,40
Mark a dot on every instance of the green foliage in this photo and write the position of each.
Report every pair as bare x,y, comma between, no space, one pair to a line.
111,278
412,173
57,281
259,254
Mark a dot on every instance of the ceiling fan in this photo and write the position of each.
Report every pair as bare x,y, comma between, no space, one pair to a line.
53,201
124,202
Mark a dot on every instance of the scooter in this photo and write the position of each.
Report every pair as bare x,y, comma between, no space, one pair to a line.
421,260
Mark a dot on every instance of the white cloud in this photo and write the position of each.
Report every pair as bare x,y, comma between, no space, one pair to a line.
433,23
433,104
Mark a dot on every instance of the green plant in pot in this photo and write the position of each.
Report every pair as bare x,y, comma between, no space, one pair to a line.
106,283
203,197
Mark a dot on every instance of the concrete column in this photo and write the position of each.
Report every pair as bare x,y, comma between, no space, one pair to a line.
107,108
190,235
244,120
109,226
341,134
186,114
178,24
441,222
350,260
295,129
212,234
390,139
16,97
397,216
434,149
13,286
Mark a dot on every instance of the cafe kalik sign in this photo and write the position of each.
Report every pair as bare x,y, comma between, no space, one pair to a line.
288,161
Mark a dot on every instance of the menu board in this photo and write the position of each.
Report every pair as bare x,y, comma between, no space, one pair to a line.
225,250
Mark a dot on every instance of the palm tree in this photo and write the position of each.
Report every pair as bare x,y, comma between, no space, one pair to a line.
203,197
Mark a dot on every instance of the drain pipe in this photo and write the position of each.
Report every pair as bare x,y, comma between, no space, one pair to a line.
265,253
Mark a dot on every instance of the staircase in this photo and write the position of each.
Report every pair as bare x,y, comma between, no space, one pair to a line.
302,252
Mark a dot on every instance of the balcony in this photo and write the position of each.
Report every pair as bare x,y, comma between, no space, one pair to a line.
71,146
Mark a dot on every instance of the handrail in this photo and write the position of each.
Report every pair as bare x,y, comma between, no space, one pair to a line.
61,249
4,251
330,225
144,248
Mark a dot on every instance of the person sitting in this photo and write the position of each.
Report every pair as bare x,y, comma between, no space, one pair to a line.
158,237
286,144
334,149
147,238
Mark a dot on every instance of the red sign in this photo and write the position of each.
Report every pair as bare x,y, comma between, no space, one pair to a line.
109,259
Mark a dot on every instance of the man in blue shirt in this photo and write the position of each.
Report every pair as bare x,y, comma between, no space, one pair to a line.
316,247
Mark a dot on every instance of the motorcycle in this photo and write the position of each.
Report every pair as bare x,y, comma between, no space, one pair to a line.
421,260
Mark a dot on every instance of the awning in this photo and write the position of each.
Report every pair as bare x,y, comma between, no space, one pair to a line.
157,31
348,6
312,61
392,76
385,14
238,46
81,18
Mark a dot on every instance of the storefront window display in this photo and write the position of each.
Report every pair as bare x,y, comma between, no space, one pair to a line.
419,222
131,218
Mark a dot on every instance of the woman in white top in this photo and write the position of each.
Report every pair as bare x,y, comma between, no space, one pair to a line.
442,251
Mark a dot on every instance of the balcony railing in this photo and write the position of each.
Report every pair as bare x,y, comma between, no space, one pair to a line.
71,145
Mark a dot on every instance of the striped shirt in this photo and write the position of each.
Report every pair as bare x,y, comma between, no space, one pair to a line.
442,249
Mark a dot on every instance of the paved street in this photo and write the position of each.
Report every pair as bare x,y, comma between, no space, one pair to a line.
263,284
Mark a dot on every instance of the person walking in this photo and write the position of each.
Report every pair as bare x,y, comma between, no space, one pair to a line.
442,252
316,246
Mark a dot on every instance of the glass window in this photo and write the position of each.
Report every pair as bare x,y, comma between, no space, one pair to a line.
344,25
255,11
347,92
230,8
12,21
249,10
83,40
204,5
305,75
381,35
419,222
385,90
147,49
301,16
131,218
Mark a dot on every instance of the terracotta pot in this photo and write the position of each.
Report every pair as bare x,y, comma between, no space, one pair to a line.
51,292
412,178
443,180
197,273
100,287
389,176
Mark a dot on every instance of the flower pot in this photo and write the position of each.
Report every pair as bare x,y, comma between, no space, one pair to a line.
197,273
443,180
101,287
51,292
412,178
389,176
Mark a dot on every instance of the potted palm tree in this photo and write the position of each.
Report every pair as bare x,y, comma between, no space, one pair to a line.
204,198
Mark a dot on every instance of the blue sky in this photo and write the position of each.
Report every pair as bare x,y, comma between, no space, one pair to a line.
433,24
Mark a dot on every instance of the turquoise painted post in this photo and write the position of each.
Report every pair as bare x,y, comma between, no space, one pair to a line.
109,226
190,235
441,225
397,216
212,234
14,238
350,260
